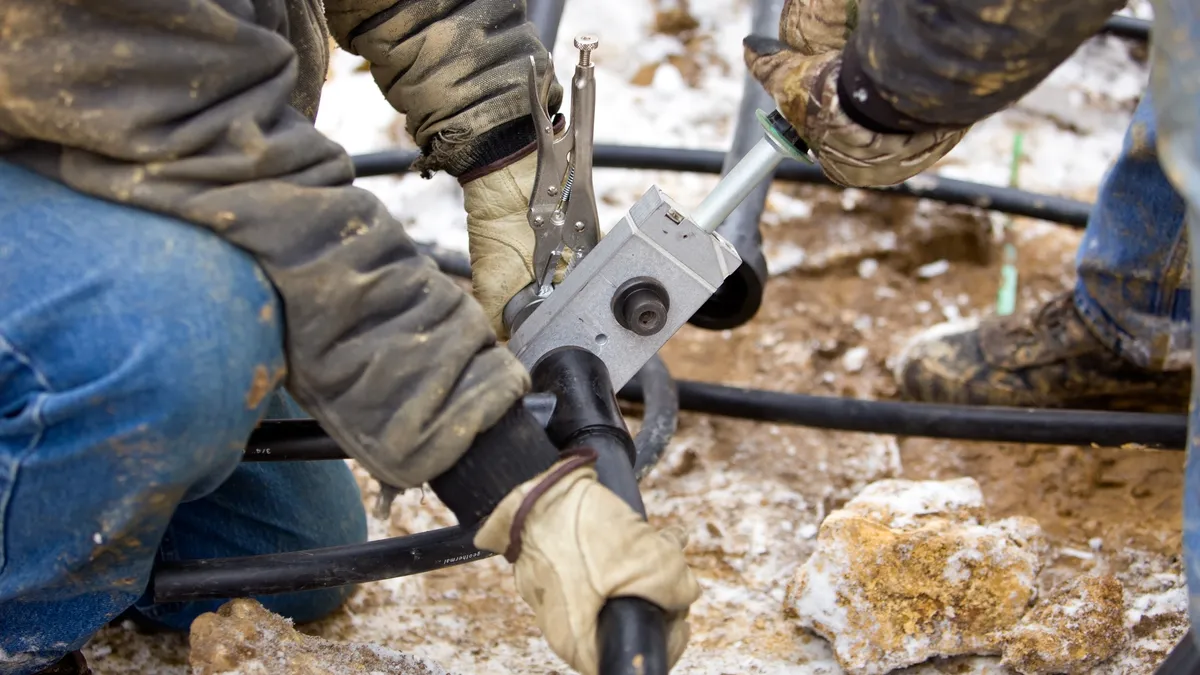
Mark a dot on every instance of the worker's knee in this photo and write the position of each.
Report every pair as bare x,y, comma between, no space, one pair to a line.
127,323
137,352
205,344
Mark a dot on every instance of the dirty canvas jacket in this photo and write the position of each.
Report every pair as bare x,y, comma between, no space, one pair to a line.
929,64
184,107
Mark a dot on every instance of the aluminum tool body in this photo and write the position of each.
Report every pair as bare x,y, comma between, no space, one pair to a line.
624,296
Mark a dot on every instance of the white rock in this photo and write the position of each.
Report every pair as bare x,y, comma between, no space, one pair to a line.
910,570
854,359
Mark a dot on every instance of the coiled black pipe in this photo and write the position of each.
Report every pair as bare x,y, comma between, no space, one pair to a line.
303,440
1100,428
948,190
1127,27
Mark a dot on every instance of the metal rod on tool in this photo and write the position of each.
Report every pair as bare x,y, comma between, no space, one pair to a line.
755,167
739,298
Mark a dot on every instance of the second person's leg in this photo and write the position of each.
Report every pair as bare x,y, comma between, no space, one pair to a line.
1119,339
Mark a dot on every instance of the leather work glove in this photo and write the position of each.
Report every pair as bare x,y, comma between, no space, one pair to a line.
801,73
499,236
575,544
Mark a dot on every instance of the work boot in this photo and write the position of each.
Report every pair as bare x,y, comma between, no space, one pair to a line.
71,664
1048,358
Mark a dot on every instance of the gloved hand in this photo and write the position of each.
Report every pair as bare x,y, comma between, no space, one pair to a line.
499,237
576,545
801,73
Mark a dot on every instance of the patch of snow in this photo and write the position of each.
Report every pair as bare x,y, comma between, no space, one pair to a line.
867,267
933,269
854,359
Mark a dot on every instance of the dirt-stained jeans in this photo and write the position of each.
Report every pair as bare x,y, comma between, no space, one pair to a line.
1175,83
1133,287
136,355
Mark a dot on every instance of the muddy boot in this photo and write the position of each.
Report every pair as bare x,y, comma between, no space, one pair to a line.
1046,358
71,664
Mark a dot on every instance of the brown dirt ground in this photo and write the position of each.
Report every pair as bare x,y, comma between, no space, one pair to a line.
720,474
752,494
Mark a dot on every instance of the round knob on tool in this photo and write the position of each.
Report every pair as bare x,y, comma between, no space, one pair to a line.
641,305
585,44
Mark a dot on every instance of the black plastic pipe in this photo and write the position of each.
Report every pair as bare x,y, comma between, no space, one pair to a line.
660,414
949,190
737,300
1127,27
546,15
220,578
631,631
304,440
968,423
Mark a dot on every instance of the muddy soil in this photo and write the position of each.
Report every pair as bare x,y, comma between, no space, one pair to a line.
858,274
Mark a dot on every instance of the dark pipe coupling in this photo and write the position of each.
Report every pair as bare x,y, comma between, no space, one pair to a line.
641,305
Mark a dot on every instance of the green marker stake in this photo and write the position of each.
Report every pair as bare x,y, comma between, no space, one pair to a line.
1006,298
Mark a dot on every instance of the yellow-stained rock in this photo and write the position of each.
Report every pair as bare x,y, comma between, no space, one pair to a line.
1077,629
908,571
243,637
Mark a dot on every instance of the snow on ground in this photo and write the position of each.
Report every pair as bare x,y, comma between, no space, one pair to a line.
1073,122
751,527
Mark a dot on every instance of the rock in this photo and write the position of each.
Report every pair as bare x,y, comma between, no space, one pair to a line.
243,637
908,571
1079,627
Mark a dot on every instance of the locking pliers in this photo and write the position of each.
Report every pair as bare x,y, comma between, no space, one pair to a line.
562,207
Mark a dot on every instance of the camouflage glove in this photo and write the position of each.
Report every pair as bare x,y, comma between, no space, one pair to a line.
575,544
499,236
801,73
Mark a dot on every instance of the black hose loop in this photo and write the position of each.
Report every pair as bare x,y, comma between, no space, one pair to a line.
295,440
660,415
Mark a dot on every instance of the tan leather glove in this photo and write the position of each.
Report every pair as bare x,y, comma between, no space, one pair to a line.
801,73
576,546
499,237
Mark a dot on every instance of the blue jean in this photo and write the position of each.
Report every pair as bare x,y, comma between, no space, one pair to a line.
1175,81
1133,286
1136,267
137,353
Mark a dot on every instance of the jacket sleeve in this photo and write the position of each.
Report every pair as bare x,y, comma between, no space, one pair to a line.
181,107
457,69
917,65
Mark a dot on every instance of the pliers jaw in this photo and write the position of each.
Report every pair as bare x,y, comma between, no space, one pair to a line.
562,206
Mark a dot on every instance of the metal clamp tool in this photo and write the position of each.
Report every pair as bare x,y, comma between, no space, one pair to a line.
622,298
562,208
